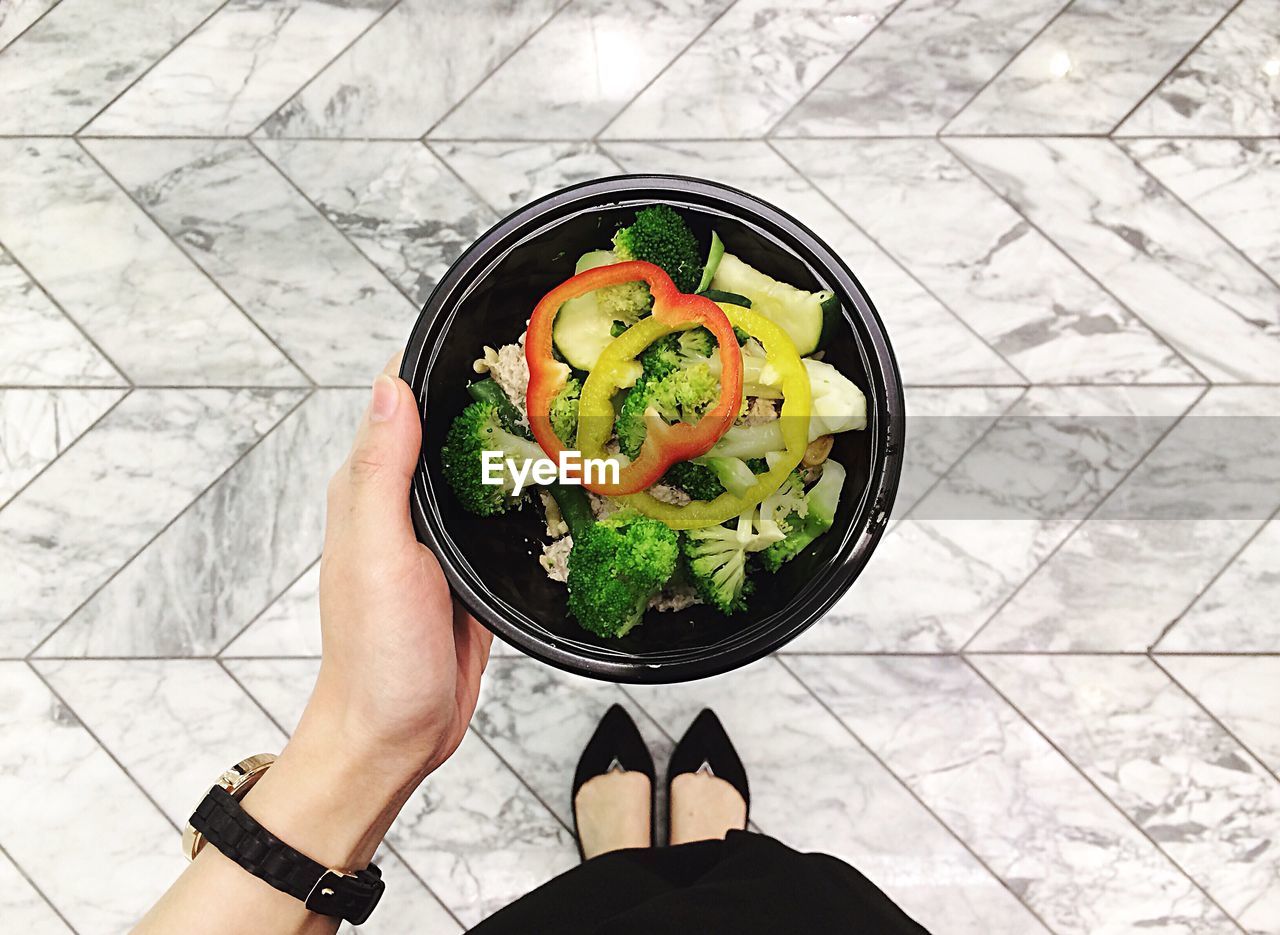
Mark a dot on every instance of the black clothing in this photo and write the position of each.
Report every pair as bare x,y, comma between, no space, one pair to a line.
747,884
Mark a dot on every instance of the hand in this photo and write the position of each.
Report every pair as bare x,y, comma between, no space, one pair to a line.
401,661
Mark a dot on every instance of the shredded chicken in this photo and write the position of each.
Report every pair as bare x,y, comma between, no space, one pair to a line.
760,409
556,526
507,365
601,506
555,558
667,494
674,598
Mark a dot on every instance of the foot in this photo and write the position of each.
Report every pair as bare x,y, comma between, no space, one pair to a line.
613,812
704,808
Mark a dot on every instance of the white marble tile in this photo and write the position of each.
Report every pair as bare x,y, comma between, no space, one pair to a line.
1000,275
1179,776
1042,828
37,425
933,346
745,72
41,346
67,66
231,74
1232,184
406,906
281,260
1090,67
211,572
1230,85
102,853
23,908
289,627
510,174
17,15
538,719
93,508
1243,692
573,68
1237,612
409,69
1159,539
397,202
1181,277
472,829
942,424
120,277
817,788
978,535
918,70
174,724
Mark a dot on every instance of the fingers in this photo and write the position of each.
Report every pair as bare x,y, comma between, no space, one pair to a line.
371,490
472,641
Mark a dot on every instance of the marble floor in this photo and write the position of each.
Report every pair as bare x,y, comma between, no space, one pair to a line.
1051,704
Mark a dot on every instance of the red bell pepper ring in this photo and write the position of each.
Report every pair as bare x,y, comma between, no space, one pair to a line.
664,444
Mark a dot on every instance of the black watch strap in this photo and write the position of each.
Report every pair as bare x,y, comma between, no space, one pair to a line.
233,831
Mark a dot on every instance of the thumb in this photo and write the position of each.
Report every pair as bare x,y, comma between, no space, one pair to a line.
380,467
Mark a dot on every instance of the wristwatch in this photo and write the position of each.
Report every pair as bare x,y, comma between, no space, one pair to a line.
221,821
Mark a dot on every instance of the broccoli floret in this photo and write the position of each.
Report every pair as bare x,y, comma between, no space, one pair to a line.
681,349
820,512
681,396
564,411
697,480
476,430
624,302
660,236
615,567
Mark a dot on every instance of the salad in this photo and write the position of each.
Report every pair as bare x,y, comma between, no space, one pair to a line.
695,384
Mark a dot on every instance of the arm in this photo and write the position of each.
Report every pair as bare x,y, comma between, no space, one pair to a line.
397,686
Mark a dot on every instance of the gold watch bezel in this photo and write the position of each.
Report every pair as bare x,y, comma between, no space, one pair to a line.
237,780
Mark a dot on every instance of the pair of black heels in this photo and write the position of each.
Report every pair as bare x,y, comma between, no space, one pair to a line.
617,744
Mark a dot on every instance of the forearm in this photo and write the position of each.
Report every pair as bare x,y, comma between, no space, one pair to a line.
324,799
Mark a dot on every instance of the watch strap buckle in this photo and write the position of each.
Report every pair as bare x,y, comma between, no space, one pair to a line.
353,896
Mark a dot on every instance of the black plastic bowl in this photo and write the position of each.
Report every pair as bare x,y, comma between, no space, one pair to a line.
486,297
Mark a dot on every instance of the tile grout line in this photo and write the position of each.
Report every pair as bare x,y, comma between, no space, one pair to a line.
1160,439
494,211
58,457
1231,244
595,137
198,266
773,127
1195,699
1154,647
1066,254
319,71
98,740
1176,65
385,843
36,888
906,787
266,607
333,224
942,128
471,728
426,134
128,382
200,495
1106,798
898,262
27,28
173,47
828,137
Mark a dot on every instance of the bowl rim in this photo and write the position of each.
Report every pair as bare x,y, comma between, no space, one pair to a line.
886,412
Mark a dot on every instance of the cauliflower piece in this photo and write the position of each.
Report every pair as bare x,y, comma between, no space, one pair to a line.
508,366
555,558
674,598
556,526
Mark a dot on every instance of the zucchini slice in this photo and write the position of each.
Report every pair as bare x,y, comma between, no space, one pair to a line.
801,314
581,330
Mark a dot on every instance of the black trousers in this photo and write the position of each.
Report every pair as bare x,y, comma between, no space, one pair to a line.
747,884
